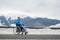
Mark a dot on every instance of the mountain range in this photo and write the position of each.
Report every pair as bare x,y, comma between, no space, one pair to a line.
30,22
36,22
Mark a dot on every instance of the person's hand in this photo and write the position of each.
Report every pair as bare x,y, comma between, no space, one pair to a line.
22,24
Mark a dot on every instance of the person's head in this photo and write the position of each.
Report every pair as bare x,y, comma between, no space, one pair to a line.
18,17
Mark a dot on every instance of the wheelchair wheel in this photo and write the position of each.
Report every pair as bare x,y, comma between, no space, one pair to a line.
14,30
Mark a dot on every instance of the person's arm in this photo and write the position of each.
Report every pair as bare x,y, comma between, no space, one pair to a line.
22,23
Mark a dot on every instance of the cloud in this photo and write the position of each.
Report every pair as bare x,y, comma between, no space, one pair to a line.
14,13
39,8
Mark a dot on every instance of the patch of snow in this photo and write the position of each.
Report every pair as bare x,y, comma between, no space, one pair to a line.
12,25
57,25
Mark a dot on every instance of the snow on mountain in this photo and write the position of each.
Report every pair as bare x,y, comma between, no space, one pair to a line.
57,25
0,24
12,25
4,21
13,14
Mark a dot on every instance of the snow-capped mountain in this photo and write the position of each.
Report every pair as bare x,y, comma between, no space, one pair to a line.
4,21
8,19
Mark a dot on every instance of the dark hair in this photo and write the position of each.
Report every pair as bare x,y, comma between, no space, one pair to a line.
18,17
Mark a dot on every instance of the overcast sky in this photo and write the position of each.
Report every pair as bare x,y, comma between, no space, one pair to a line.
39,8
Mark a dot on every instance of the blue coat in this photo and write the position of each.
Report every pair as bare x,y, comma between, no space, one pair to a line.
19,22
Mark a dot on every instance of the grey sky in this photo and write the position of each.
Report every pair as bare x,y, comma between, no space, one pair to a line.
39,8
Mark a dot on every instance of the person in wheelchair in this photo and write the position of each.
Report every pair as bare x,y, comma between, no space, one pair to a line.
20,26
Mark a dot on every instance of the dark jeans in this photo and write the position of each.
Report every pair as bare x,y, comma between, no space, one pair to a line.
19,28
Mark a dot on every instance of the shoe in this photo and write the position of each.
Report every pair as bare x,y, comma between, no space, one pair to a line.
22,33
18,32
26,33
